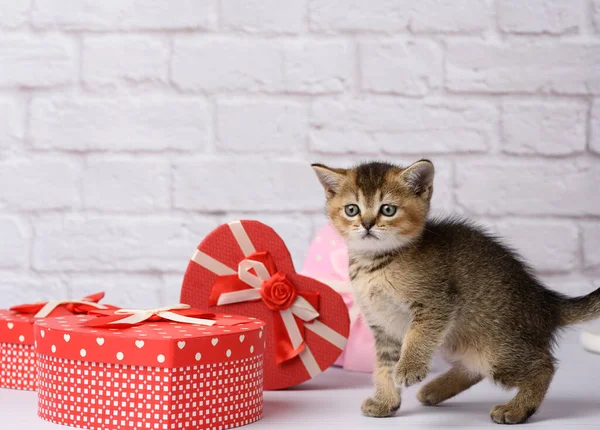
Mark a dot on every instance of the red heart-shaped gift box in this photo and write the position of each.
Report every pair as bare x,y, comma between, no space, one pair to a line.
244,268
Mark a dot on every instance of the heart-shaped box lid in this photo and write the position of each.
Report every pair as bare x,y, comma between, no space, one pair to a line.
244,268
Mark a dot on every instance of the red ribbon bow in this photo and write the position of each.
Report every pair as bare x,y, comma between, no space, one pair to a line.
74,307
278,293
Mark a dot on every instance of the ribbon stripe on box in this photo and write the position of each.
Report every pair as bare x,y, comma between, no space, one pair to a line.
180,313
256,278
45,309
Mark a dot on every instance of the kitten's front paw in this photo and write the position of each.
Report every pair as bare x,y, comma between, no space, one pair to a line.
373,407
509,414
409,373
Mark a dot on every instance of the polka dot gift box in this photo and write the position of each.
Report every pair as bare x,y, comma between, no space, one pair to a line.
245,268
168,368
17,354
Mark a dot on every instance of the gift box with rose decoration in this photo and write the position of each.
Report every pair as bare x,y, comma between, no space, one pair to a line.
327,261
17,351
244,267
168,368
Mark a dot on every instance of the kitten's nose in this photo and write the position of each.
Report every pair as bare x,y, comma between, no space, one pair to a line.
368,223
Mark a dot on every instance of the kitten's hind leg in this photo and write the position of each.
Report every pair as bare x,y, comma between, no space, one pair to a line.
387,399
532,390
454,381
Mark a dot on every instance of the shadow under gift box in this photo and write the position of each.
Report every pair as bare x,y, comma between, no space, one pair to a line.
153,375
17,350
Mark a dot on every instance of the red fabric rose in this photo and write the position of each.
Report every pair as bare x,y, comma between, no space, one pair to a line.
278,292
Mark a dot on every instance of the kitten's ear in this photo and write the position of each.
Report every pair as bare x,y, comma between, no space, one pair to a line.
329,178
419,177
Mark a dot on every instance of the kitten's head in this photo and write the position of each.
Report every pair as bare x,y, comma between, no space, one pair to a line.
378,207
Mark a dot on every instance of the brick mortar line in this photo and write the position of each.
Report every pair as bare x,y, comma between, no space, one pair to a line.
477,37
179,214
171,92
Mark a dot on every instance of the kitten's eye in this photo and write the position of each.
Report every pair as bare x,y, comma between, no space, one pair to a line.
388,210
351,210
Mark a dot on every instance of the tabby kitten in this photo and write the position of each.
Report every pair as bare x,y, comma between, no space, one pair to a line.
424,284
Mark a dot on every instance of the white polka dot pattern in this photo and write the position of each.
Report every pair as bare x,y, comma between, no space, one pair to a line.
113,396
180,346
16,328
17,366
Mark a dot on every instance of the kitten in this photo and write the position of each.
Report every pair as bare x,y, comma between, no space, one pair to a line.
426,284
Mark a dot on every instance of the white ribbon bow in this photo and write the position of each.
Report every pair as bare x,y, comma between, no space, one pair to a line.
49,307
137,316
300,308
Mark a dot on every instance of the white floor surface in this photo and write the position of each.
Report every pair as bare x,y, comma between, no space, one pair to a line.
332,401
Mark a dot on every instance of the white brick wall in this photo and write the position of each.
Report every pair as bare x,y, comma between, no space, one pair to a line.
540,16
128,129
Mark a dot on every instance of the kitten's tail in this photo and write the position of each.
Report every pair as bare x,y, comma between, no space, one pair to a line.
580,309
